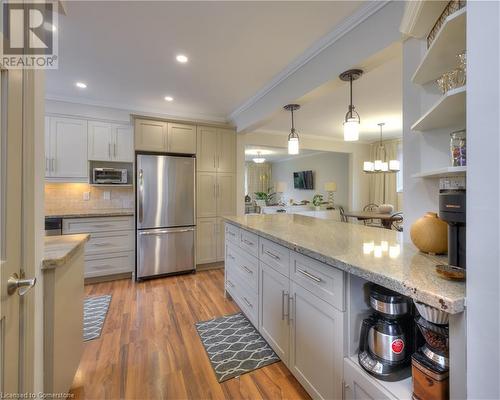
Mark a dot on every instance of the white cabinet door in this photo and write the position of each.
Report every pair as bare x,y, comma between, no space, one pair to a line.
150,135
220,239
100,140
206,240
181,138
123,143
206,194
358,385
206,155
226,194
273,321
69,138
316,351
226,150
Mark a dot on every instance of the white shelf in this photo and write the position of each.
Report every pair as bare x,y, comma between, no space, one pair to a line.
442,172
442,54
400,390
448,111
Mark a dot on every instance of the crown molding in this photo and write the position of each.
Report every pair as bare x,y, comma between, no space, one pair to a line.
147,112
326,41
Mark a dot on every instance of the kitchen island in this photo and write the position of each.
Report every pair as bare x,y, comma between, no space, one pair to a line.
303,282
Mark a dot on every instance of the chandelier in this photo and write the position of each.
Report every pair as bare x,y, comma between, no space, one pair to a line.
381,165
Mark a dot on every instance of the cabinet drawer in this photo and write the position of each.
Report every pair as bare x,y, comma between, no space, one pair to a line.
245,266
246,300
98,224
274,255
110,264
249,242
109,242
324,281
232,233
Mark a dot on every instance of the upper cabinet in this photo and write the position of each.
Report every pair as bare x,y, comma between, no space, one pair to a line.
110,142
160,136
181,138
66,148
216,150
150,135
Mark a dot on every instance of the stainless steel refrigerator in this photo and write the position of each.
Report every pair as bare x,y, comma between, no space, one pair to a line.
165,228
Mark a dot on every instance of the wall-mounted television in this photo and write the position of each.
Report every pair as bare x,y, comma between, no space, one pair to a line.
303,180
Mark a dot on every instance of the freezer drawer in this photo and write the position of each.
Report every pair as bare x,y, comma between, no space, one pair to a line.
165,251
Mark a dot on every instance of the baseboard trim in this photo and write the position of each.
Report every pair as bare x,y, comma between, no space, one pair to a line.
107,278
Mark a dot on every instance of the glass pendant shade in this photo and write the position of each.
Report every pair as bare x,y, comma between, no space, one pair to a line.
351,130
378,165
293,145
385,166
368,166
394,165
259,160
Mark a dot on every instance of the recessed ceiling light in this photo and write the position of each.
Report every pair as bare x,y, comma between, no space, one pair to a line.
81,85
181,58
169,98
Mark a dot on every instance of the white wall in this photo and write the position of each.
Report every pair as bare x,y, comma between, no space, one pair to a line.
326,167
357,153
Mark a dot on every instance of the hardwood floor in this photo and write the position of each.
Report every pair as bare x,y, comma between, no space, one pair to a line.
149,347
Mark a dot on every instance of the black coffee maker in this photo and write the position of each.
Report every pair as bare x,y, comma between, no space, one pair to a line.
452,211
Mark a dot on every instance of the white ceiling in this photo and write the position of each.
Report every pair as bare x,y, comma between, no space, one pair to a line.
274,154
377,96
125,51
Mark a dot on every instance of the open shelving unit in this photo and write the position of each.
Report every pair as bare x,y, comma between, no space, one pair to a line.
449,110
442,173
449,41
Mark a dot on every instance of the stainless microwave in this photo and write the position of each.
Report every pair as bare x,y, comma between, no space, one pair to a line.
107,176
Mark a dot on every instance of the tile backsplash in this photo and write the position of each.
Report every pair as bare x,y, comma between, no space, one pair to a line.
70,196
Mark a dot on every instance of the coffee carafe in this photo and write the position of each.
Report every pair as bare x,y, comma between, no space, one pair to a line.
385,341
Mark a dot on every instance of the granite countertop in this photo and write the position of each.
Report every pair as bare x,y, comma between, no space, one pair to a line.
401,268
59,249
103,212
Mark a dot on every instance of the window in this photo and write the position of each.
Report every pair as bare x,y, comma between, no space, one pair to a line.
399,175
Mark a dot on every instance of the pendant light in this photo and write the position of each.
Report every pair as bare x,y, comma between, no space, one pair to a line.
293,137
351,120
381,165
259,159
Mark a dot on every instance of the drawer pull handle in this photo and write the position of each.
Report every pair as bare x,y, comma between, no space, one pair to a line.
248,242
310,276
248,303
247,269
283,295
101,244
102,225
271,255
231,284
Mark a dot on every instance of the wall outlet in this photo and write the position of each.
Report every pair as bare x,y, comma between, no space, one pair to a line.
106,195
86,196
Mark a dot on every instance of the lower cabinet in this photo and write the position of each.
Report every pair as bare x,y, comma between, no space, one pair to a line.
274,324
206,240
316,348
359,386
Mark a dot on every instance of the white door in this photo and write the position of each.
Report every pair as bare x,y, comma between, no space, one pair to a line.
273,323
226,194
70,147
100,141
316,350
226,150
181,138
206,194
206,155
123,143
206,239
12,244
220,239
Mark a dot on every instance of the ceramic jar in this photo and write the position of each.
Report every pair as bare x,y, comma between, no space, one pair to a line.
430,234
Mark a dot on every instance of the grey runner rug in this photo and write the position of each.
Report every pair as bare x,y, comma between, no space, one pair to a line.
234,346
95,310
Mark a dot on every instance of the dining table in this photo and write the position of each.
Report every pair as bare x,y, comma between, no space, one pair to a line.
386,219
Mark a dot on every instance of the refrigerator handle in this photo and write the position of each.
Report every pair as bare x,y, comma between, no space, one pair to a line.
141,196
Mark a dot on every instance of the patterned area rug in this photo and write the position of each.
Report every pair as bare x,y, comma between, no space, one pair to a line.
234,346
95,310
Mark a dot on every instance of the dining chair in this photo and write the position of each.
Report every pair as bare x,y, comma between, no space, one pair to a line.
397,221
343,217
371,207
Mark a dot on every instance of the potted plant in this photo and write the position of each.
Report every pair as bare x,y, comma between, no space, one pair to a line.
262,199
317,200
